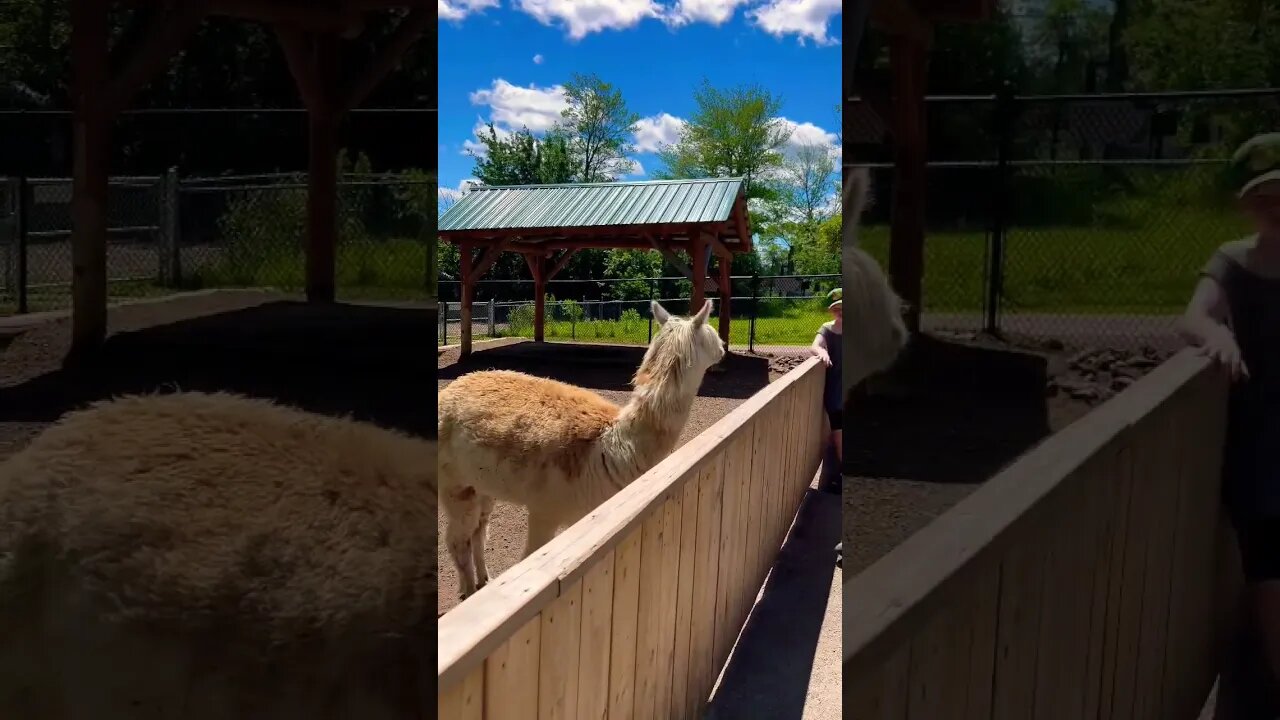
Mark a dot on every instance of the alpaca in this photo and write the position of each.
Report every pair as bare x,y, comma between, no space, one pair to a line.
212,556
557,449
874,331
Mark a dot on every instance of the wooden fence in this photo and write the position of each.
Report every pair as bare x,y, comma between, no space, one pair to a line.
632,611
1094,578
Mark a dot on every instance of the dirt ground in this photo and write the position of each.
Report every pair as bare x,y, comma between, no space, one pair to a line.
913,452
362,361
606,369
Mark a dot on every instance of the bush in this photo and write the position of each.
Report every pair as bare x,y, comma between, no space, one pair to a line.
631,321
520,321
572,311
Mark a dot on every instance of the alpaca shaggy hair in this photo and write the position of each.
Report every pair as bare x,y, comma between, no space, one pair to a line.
874,330
557,449
189,526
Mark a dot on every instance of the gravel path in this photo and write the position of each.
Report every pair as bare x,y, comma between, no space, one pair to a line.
607,370
913,457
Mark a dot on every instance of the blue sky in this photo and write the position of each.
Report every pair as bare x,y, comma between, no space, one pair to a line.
505,60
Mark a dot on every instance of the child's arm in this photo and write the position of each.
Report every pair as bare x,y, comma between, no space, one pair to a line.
1205,317
819,348
1204,325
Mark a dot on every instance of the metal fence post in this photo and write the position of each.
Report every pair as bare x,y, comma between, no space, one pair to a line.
994,291
493,322
9,209
169,251
755,311
20,216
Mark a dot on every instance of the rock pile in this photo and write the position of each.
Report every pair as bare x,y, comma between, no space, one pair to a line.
1095,376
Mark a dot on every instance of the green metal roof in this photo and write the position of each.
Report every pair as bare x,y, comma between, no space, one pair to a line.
650,202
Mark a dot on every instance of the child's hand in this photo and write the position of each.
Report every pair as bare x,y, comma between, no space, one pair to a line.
1222,349
823,356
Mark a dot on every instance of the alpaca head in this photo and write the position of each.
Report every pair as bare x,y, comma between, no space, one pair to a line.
873,311
681,350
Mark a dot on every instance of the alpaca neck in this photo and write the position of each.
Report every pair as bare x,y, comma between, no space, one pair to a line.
650,423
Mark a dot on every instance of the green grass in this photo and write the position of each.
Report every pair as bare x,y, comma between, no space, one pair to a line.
1142,265
390,269
796,327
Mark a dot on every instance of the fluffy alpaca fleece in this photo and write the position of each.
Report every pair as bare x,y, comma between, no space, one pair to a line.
874,331
557,449
196,555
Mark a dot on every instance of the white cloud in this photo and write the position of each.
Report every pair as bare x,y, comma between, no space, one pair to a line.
654,132
715,12
459,9
537,59
583,17
807,133
474,147
447,195
804,18
513,107
636,170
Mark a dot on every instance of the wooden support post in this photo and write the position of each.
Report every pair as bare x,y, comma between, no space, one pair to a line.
726,292
322,175
538,267
465,266
91,139
698,264
908,57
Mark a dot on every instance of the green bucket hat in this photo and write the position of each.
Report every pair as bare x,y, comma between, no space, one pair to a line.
1255,162
836,297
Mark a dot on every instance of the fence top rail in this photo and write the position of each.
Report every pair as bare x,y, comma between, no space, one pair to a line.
830,276
884,602
470,632
1102,97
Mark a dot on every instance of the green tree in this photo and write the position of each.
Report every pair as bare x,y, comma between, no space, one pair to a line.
733,133
521,159
597,126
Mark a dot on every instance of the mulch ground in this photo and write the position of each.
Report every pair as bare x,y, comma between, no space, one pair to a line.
914,452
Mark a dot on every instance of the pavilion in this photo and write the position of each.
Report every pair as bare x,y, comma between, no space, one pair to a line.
909,25
547,224
310,34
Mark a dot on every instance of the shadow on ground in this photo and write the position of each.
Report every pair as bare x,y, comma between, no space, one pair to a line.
371,363
768,673
951,413
605,367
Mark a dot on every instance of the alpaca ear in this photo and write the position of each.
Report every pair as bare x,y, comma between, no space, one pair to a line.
703,314
659,313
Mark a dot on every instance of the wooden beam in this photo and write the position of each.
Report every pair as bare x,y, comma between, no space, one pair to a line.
486,261
322,178
698,263
300,55
560,262
165,36
317,17
410,29
717,247
740,224
670,256
465,265
91,136
906,239
901,18
538,268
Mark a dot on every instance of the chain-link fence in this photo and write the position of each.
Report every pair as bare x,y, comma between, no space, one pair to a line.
1077,219
767,313
167,233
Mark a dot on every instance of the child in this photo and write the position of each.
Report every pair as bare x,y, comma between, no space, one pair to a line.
827,346
1234,318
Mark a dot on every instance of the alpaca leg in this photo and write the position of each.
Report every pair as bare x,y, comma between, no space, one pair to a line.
479,538
462,506
542,528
